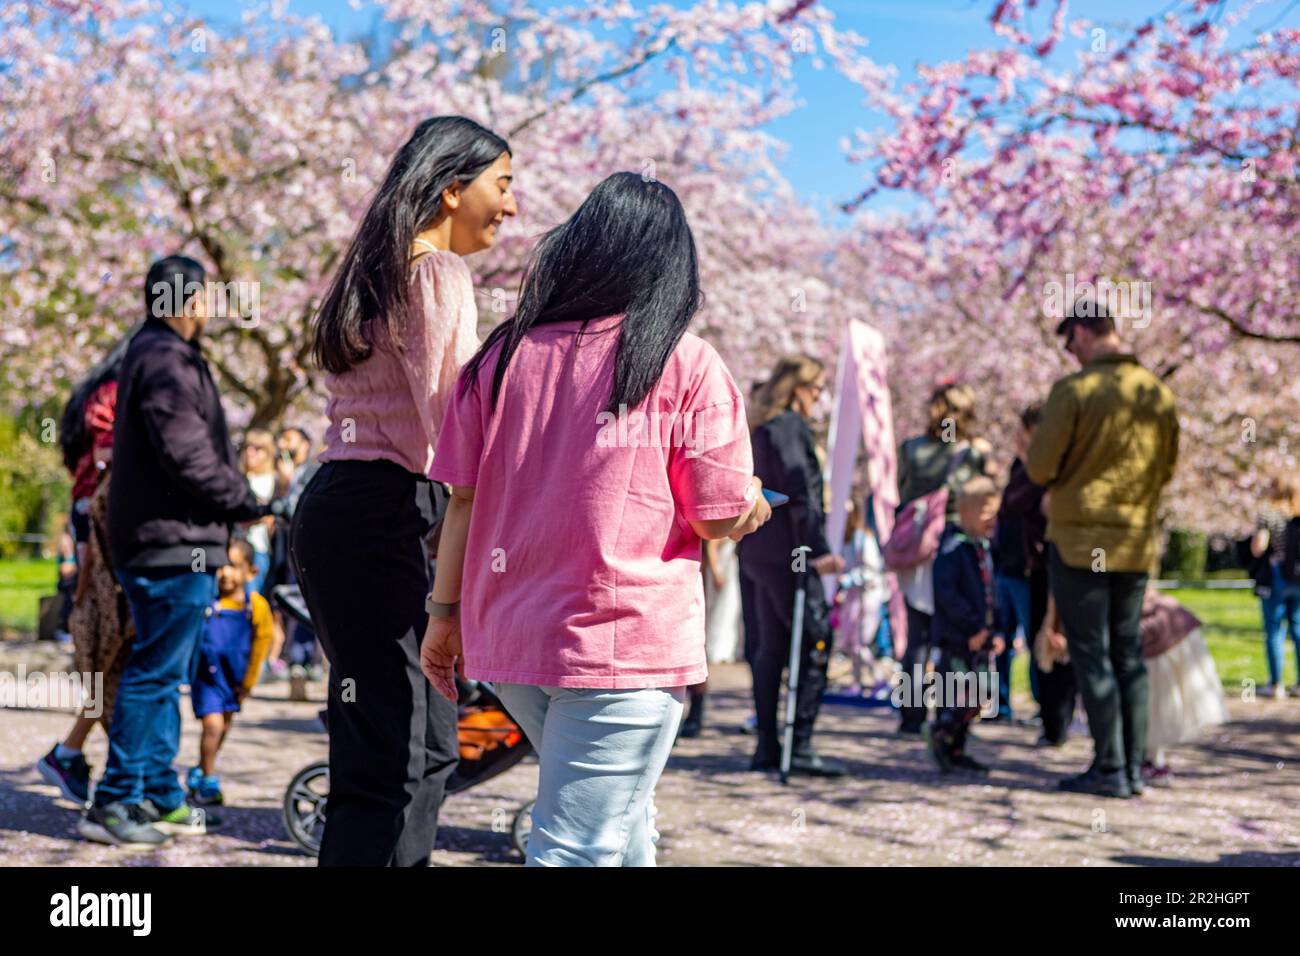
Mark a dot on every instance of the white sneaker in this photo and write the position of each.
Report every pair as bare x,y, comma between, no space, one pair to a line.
1271,691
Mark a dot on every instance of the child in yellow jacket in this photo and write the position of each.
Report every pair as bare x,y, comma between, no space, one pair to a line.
236,637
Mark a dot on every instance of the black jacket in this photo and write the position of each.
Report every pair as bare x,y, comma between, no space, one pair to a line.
785,461
961,601
1021,525
176,487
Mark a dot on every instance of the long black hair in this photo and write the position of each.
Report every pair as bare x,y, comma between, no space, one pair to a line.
628,250
371,281
74,442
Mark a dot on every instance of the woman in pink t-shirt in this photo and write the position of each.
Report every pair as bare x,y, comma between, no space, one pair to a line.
395,326
591,444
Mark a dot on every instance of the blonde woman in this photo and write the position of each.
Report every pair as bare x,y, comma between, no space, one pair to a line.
786,460
946,453
258,460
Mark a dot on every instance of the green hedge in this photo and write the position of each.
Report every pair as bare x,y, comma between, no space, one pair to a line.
1184,556
34,485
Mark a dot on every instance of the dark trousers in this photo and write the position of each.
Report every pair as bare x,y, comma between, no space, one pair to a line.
1101,613
915,657
772,593
954,716
747,617
358,553
1056,689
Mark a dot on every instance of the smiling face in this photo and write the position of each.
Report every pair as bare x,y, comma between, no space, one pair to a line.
232,578
476,211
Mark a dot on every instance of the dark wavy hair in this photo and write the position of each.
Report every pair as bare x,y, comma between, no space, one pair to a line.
74,441
371,281
628,250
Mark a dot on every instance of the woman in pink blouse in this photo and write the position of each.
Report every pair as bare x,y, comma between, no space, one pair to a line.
397,323
591,444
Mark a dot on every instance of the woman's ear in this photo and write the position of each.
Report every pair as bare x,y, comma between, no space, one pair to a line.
451,197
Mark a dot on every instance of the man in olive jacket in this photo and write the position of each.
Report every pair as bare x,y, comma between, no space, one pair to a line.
1105,448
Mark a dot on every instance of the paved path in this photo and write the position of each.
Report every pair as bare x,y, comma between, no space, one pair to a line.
1235,800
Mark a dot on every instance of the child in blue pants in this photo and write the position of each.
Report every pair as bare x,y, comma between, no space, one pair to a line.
236,637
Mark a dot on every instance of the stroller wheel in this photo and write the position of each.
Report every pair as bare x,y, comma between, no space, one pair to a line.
522,827
304,806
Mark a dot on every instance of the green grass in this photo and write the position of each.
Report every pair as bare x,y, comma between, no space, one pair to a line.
23,582
1233,632
1232,626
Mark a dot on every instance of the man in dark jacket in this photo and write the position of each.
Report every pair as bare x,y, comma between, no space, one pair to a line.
785,460
175,491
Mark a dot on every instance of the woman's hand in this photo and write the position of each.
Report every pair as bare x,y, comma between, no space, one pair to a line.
440,655
1259,543
758,516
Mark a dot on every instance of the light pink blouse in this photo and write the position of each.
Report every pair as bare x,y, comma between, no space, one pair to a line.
391,405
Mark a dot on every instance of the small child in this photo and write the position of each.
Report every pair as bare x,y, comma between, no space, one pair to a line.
968,626
1186,696
859,607
235,640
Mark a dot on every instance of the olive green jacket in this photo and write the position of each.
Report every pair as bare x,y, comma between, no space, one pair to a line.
1105,447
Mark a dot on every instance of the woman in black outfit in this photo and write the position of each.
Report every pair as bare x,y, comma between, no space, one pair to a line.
785,460
396,325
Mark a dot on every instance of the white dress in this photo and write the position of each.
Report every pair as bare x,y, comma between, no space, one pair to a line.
722,608
1186,695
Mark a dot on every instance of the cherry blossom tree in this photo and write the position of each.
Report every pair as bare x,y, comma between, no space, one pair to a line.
131,131
1162,163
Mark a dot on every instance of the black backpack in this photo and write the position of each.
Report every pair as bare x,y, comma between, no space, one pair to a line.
1291,551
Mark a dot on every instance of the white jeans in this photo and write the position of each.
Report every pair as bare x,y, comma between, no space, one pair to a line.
601,754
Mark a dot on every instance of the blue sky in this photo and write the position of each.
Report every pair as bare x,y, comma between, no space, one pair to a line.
901,32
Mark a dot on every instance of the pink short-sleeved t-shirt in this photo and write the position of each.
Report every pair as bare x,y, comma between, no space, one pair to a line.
581,569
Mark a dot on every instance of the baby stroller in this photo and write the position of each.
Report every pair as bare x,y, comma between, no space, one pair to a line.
490,744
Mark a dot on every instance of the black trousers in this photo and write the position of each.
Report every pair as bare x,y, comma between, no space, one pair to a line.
952,718
1055,690
772,594
358,553
1101,613
747,613
914,659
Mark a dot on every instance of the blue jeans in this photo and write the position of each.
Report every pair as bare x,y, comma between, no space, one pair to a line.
1281,614
261,568
168,609
1014,591
601,754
